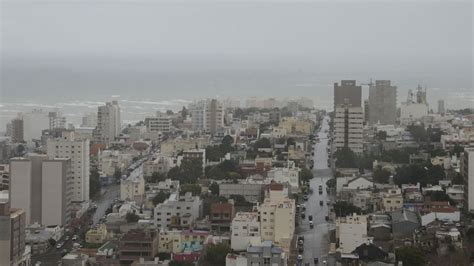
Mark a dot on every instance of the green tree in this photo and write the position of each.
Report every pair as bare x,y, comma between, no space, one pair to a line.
156,177
440,196
418,132
381,175
345,158
331,183
410,256
214,188
164,255
117,173
262,143
195,189
343,209
215,255
132,217
188,172
227,141
94,183
457,149
305,175
160,197
184,112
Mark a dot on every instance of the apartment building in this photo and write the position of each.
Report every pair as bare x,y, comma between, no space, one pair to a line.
97,235
245,230
207,116
383,103
136,244
266,254
42,187
16,130
296,126
178,211
351,232
251,191
56,120
108,123
132,188
288,175
70,147
160,123
198,154
348,128
89,120
467,171
392,199
277,217
347,93
222,214
162,164
12,240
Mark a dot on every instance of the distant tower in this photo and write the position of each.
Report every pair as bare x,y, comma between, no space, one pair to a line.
441,109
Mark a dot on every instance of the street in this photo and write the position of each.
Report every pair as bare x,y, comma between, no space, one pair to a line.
111,192
316,242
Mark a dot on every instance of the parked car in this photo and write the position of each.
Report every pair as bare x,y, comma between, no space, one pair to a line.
310,217
300,257
321,203
74,237
316,260
311,224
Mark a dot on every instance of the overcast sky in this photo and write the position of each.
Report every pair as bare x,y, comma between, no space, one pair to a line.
318,28
73,46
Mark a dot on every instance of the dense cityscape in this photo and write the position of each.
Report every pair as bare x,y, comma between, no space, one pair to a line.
260,181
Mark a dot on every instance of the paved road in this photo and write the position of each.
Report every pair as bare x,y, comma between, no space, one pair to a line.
316,242
111,192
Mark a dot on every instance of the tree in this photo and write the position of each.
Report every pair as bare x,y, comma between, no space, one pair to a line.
214,188
414,173
305,174
343,209
132,217
157,177
52,242
160,197
181,263
94,183
188,172
184,112
418,132
215,255
227,141
331,183
457,149
382,135
117,173
381,175
345,158
20,149
440,196
262,143
240,200
195,189
410,256
164,256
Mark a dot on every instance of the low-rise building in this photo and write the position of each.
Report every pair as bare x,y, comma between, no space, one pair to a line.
351,232
266,254
221,216
251,191
132,188
288,175
138,244
392,200
178,211
97,235
404,223
245,230
191,245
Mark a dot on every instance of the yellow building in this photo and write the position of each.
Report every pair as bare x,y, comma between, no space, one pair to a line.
169,241
277,213
295,126
98,235
392,200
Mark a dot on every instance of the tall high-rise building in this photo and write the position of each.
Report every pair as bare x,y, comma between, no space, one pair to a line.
68,146
383,103
56,120
16,130
467,172
89,120
42,188
366,111
348,93
108,123
348,116
12,233
207,115
441,109
160,123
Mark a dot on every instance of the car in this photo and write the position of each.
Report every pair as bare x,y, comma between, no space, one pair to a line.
328,202
59,245
74,237
327,218
310,217
301,237
312,153
305,197
311,224
303,216
316,260
300,257
300,242
301,249
321,203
